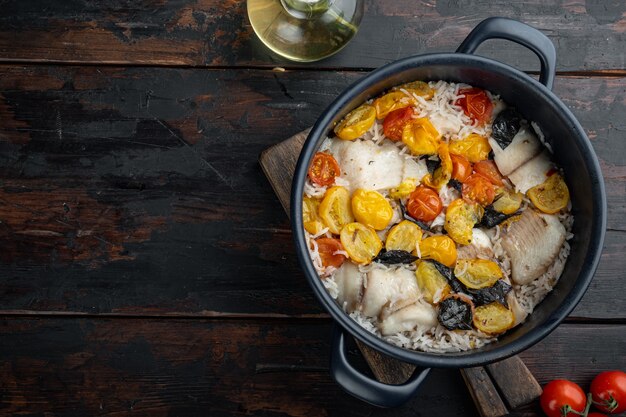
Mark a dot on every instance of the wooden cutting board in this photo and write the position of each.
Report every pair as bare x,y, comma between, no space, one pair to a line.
515,382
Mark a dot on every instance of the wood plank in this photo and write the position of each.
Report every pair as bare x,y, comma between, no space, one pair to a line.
484,393
120,187
587,35
518,386
258,368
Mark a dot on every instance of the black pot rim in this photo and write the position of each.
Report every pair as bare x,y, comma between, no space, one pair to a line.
460,359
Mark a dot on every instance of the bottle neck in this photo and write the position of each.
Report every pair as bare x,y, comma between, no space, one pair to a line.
306,9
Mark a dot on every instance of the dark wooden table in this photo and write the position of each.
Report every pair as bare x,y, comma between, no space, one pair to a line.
147,268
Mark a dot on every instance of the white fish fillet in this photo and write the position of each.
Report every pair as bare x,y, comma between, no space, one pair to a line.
533,244
518,312
480,247
407,318
349,285
524,146
388,288
532,172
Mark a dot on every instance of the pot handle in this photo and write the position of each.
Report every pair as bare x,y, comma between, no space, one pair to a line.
364,387
520,33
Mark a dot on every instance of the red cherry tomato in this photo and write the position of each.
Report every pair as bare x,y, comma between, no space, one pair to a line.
327,247
394,123
560,397
476,104
489,170
461,167
323,169
609,391
594,414
424,204
478,189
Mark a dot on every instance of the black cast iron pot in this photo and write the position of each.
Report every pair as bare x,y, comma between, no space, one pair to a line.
572,151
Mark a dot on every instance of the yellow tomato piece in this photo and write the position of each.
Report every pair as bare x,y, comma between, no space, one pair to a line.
371,209
390,102
335,209
360,242
550,197
419,88
508,202
403,236
405,188
475,148
493,318
443,173
356,123
310,216
477,273
421,137
461,217
439,248
433,285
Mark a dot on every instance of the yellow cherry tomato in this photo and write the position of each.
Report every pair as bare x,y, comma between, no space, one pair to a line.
310,217
475,148
419,88
493,318
477,273
403,236
443,173
371,209
433,285
461,217
406,187
356,123
550,197
421,137
439,248
360,242
335,210
508,202
390,102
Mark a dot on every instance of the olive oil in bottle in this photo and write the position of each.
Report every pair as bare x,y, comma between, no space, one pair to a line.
305,30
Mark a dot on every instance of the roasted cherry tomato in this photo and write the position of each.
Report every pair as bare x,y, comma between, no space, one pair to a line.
356,123
328,248
403,236
335,210
360,242
371,209
395,121
323,169
551,196
489,170
477,273
508,202
439,248
406,187
443,173
609,391
474,147
461,217
476,104
433,285
493,318
390,102
419,88
310,217
461,167
560,397
424,204
479,189
421,137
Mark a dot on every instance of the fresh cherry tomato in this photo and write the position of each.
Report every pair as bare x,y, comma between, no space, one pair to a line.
609,391
327,247
476,104
561,397
424,204
594,414
323,169
461,167
489,170
394,123
478,189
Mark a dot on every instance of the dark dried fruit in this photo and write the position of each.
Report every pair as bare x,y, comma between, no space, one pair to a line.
456,184
455,313
497,292
492,218
432,165
395,257
506,126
